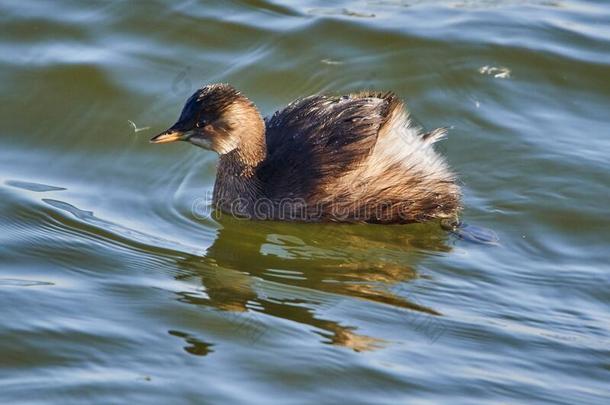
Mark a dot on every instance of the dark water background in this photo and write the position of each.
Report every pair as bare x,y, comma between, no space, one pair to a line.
113,291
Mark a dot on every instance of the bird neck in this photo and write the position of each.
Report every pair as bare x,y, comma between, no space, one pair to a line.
248,129
240,163
251,147
237,187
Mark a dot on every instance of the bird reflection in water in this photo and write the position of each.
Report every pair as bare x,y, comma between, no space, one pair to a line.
298,272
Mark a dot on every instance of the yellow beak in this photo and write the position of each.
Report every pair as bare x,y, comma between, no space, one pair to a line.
168,136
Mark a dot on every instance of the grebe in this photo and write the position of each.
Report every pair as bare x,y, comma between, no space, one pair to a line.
353,158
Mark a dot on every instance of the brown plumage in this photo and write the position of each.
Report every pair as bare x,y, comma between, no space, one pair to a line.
354,158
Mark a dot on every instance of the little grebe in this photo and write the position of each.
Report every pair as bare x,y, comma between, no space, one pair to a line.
355,158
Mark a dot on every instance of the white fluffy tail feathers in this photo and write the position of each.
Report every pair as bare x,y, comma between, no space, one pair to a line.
435,135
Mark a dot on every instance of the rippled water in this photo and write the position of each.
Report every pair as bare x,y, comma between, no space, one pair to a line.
113,291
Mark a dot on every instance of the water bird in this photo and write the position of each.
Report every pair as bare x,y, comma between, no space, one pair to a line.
352,158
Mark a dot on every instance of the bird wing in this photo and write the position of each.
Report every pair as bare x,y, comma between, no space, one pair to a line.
319,138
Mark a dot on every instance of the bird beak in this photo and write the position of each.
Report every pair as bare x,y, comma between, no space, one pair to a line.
168,136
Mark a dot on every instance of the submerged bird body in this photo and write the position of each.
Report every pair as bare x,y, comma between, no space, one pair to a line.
355,158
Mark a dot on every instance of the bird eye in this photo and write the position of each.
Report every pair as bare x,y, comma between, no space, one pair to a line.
201,124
